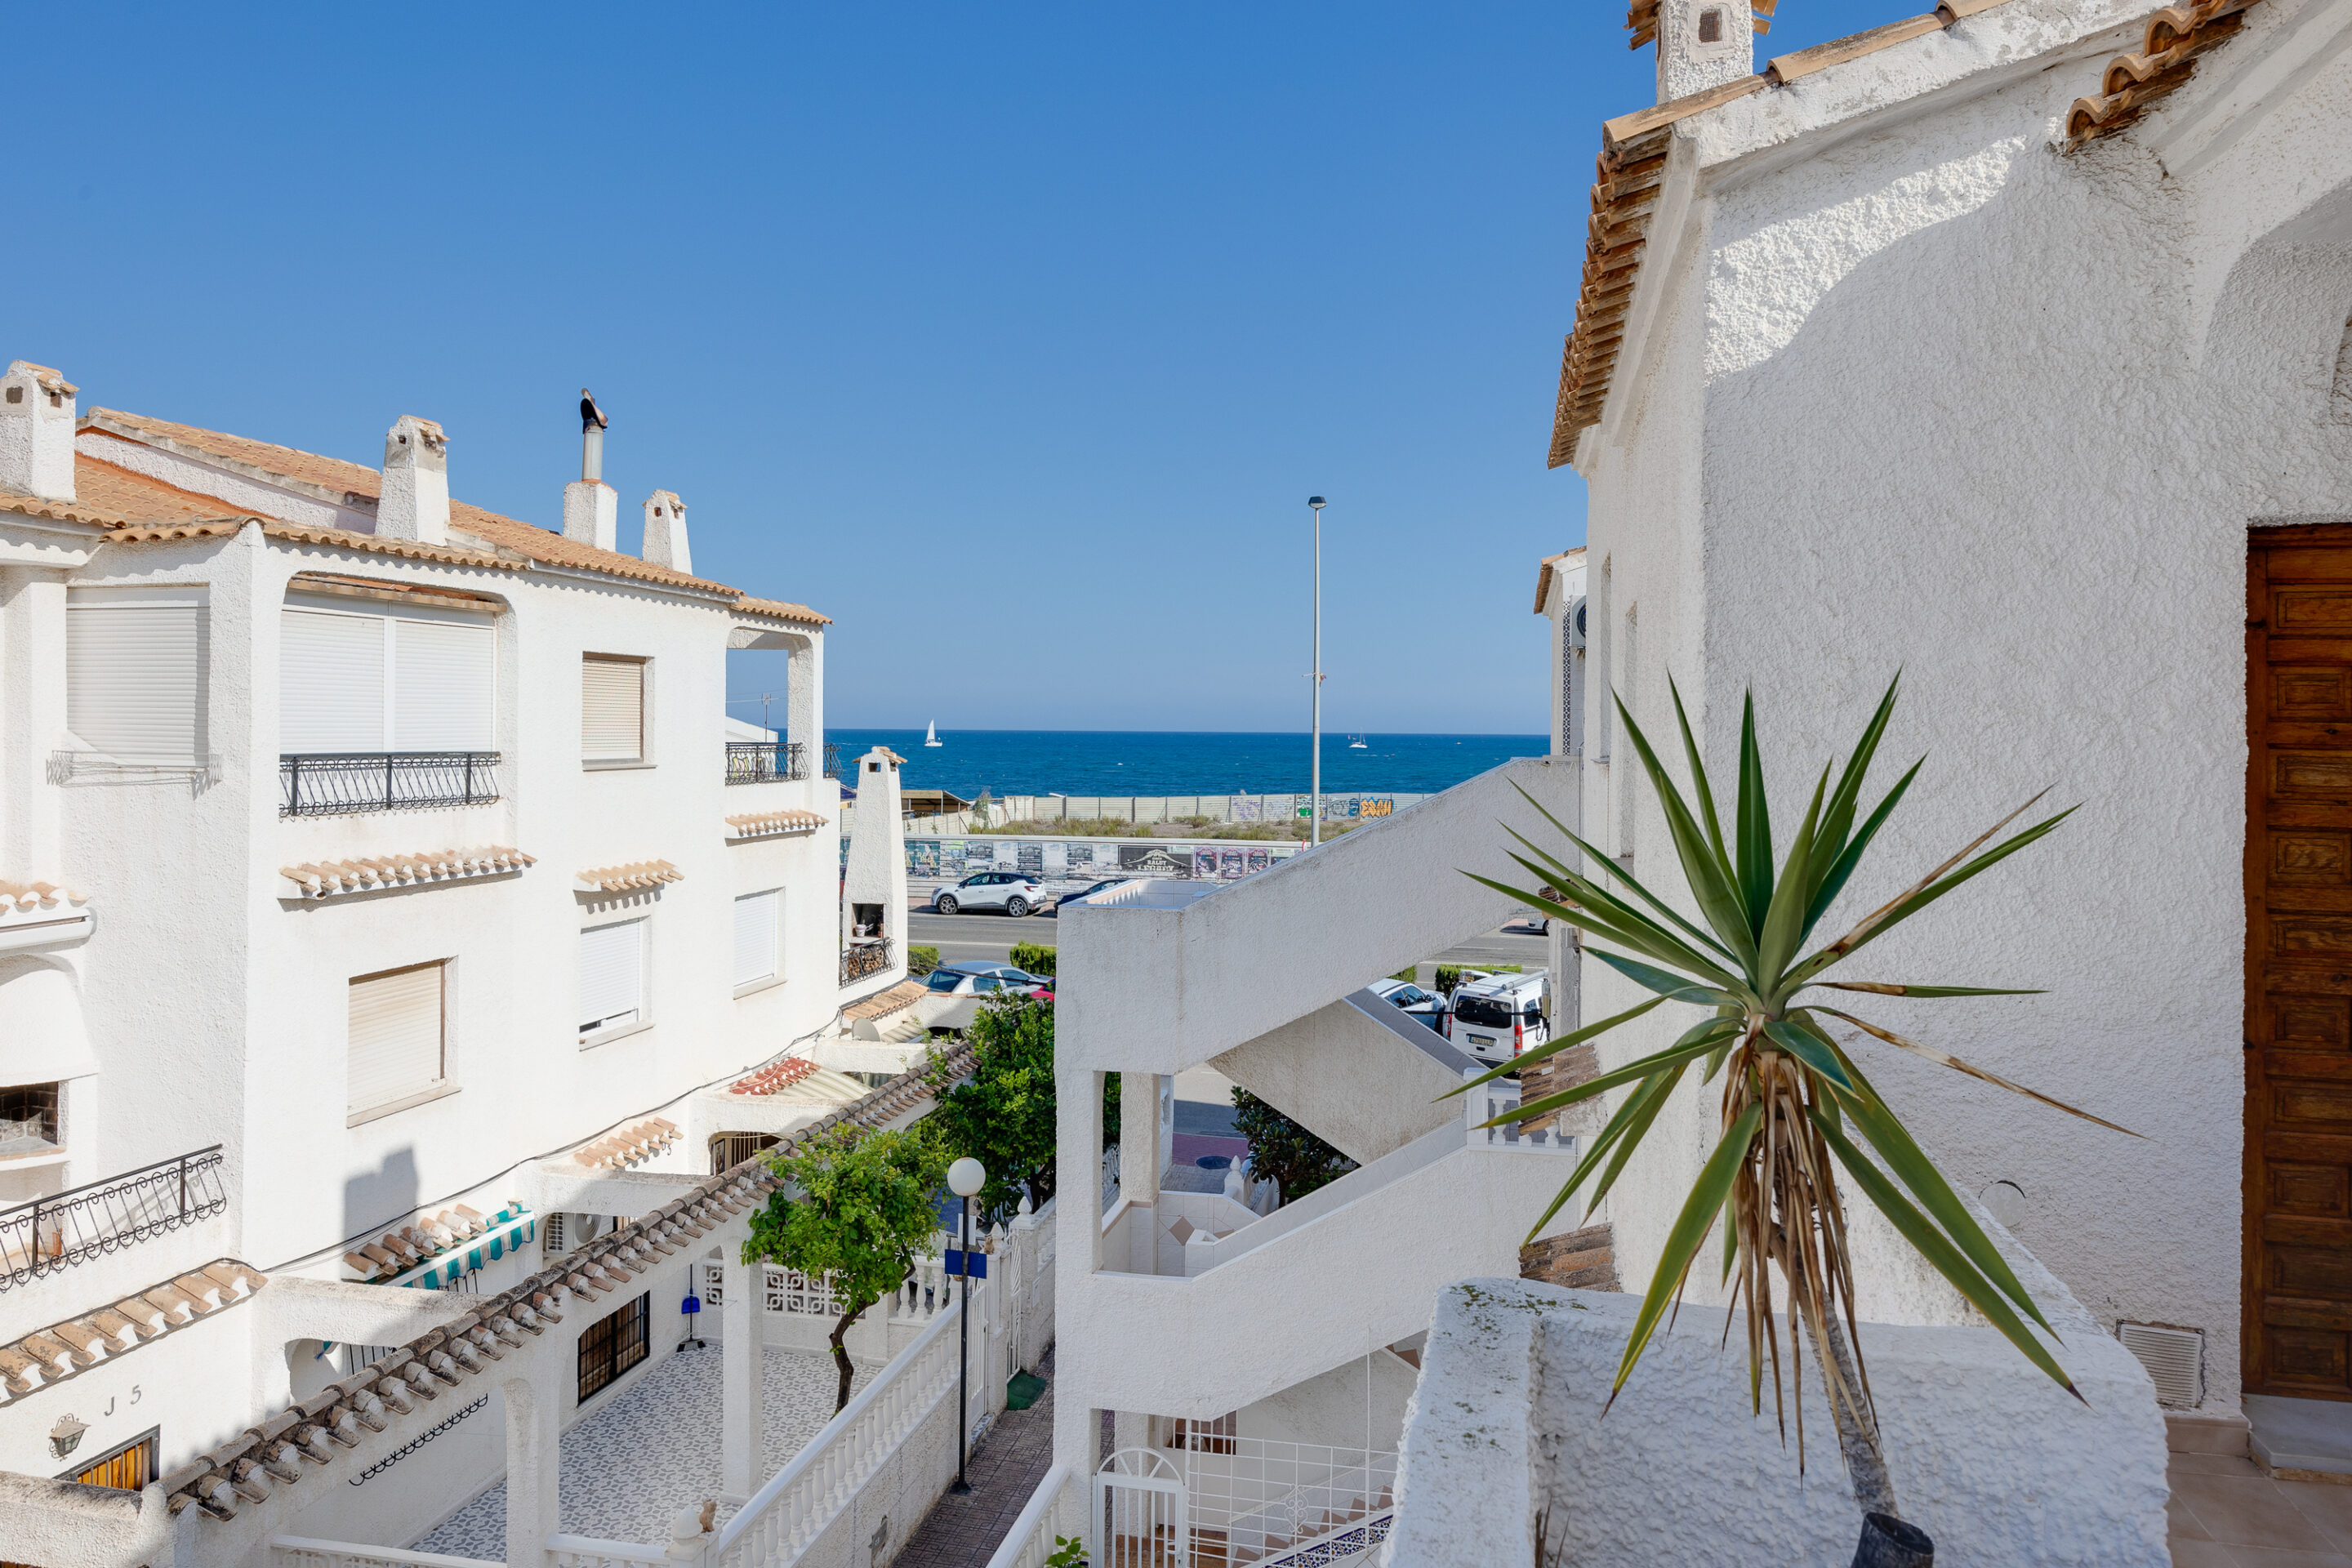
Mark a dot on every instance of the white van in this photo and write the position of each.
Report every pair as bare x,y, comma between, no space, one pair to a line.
1495,1018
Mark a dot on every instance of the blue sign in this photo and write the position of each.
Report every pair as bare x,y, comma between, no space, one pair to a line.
955,1264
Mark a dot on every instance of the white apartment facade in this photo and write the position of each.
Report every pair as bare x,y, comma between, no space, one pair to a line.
378,879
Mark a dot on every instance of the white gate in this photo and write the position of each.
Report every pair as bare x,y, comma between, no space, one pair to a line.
1139,1515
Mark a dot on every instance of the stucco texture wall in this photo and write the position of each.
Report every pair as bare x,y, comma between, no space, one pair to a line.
1936,398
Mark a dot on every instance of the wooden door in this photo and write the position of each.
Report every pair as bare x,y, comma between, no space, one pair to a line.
2298,1009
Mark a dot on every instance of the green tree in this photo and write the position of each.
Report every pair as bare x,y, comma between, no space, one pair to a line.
1003,1114
1283,1151
862,1217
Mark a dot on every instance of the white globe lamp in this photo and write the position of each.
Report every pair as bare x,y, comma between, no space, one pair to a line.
966,1177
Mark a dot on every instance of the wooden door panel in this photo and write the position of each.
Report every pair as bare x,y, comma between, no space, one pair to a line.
2298,1007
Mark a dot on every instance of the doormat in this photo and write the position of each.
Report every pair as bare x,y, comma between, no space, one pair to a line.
1022,1390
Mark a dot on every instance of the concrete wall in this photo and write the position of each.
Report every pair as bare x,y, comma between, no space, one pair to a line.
2047,534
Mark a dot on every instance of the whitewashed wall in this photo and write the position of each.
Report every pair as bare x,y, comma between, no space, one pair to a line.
1936,398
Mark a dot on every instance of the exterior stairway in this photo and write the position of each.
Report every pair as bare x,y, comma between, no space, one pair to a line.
1264,979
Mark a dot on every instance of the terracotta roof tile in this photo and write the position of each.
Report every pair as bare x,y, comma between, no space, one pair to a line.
115,488
775,1076
757,825
628,877
882,1004
33,1360
374,1398
632,1147
16,501
327,879
2168,55
353,479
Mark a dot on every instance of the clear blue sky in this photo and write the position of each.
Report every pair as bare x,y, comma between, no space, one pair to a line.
1012,337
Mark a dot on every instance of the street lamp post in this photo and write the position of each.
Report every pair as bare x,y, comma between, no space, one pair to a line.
965,1178
1315,763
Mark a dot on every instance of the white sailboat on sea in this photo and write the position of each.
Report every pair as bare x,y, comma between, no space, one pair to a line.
1356,743
931,735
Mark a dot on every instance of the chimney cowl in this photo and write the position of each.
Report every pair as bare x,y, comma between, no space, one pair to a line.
414,503
666,542
36,431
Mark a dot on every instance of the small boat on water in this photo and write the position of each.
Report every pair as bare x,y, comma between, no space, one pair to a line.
931,735
1356,743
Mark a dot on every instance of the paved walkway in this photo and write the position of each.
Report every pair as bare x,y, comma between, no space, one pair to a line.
1013,1458
653,1450
2227,1514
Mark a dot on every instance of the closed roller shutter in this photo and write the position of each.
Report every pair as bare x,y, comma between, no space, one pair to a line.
443,676
395,1036
330,682
755,936
134,675
612,977
612,710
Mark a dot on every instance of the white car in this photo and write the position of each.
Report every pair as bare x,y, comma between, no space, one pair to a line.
1426,1006
1014,893
1496,1017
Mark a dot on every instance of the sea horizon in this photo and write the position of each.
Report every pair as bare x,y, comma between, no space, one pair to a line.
1186,762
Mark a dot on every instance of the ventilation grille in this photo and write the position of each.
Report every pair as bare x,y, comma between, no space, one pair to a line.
2175,1360
550,1234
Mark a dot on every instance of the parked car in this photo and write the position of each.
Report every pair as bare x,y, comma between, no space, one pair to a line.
1071,893
1496,1017
1426,1006
1014,893
986,979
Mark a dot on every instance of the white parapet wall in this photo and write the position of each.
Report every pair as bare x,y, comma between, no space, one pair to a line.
1991,1458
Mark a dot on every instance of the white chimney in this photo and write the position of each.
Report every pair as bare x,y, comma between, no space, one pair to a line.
36,431
415,500
1706,43
592,514
665,532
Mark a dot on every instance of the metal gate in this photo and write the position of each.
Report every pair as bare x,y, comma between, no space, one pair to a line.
1140,1514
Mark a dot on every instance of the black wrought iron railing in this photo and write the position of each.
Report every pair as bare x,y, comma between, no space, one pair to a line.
341,783
764,762
862,959
81,1223
832,760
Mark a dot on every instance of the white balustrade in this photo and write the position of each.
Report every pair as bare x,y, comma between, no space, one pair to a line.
1500,1097
1057,1508
299,1552
788,1513
1264,1496
585,1552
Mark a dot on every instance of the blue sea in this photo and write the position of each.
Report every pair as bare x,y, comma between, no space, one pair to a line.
1164,762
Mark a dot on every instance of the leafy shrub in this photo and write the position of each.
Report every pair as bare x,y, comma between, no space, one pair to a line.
1035,957
923,959
1284,1151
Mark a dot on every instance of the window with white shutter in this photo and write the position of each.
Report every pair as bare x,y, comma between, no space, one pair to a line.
353,679
612,708
442,681
612,977
135,667
755,936
396,1036
330,674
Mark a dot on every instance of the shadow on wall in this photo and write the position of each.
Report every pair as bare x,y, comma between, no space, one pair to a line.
375,1201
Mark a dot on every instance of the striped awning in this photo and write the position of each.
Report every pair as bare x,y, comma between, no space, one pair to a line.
509,1229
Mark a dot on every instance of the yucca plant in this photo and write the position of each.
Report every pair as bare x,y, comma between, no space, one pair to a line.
1796,1109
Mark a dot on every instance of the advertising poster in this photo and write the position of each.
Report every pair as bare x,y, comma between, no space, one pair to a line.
1153,860
1029,857
1258,860
1232,864
923,857
1077,855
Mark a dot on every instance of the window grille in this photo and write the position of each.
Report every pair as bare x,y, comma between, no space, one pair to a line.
612,1344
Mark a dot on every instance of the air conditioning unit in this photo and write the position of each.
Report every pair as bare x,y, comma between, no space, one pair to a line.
2175,1360
1576,624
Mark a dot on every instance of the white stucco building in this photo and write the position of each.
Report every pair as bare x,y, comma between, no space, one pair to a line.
380,895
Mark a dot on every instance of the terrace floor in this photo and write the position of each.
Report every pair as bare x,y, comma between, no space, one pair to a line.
2226,1513
652,1449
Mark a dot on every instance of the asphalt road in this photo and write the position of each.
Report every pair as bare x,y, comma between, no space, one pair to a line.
989,938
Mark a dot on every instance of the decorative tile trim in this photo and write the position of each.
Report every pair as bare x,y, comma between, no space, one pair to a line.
315,880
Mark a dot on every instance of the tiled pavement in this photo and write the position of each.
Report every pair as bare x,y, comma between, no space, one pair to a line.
1011,1459
2226,1513
654,1449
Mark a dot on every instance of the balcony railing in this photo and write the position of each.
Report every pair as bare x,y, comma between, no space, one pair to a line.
765,761
54,1233
341,783
862,959
832,760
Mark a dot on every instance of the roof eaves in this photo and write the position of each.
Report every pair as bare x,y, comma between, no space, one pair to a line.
2166,58
19,503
